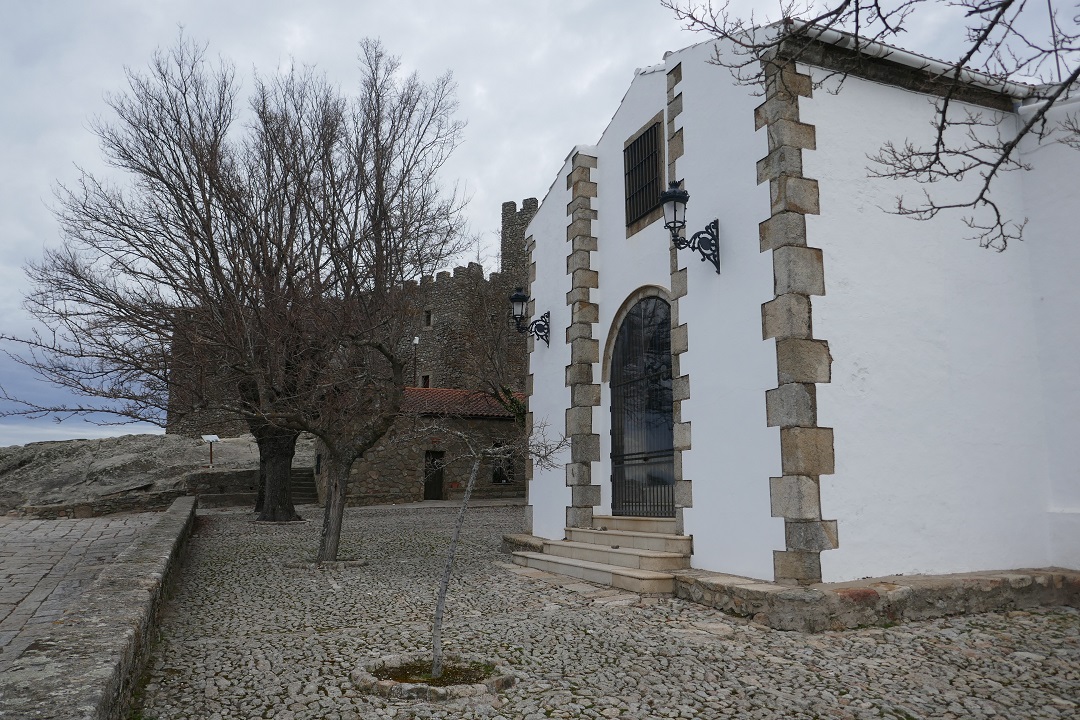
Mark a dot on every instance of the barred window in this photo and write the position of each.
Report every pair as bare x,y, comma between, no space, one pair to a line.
643,164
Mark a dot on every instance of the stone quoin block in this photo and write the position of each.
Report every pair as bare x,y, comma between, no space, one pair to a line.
577,260
578,228
680,341
585,279
773,109
585,495
581,210
811,535
794,567
684,497
578,330
796,497
584,188
783,160
585,395
791,405
678,284
583,242
674,107
807,451
586,312
798,270
792,134
580,205
802,361
579,517
784,82
787,228
583,160
680,388
578,474
681,436
585,448
787,316
581,372
579,421
529,426
675,145
584,350
580,173
794,194
529,384
578,294
674,77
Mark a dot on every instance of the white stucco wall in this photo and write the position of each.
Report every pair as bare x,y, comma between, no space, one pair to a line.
935,396
733,453
548,494
730,367
1050,196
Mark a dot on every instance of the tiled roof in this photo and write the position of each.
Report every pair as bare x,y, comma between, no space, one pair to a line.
445,401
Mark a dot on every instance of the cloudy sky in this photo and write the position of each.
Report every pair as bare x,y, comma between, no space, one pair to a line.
534,79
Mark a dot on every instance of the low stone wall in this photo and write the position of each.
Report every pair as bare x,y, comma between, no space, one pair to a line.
87,666
133,502
879,601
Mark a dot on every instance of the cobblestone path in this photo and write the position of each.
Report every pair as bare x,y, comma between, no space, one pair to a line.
245,636
45,563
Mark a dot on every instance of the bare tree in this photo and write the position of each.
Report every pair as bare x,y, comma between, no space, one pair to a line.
1015,47
274,257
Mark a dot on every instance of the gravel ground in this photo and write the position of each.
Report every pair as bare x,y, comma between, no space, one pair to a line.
244,636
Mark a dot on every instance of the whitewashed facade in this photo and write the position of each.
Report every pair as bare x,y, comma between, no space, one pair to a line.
855,394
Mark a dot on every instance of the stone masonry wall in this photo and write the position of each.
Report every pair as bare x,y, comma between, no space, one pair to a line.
393,471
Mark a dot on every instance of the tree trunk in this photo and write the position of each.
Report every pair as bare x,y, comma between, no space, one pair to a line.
440,605
260,499
276,449
337,479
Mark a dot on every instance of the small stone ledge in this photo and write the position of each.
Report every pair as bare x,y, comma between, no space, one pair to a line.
501,678
88,665
882,601
522,543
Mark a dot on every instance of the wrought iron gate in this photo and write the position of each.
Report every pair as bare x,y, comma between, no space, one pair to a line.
642,456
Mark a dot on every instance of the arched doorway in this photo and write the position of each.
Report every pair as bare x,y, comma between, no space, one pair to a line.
642,453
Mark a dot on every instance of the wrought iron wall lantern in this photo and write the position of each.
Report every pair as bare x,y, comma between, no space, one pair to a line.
539,328
706,242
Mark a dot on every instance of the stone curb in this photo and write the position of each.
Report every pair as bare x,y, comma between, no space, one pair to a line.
883,601
87,667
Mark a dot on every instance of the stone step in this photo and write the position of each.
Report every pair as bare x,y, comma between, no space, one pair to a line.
654,560
661,542
634,524
624,578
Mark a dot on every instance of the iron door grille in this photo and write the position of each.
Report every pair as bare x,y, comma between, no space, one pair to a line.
642,453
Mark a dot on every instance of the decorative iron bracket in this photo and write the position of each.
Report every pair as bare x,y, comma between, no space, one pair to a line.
540,328
706,242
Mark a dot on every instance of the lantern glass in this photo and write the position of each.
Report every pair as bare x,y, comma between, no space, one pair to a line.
518,302
674,200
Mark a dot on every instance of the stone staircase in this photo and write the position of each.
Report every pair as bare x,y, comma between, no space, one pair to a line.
630,553
303,487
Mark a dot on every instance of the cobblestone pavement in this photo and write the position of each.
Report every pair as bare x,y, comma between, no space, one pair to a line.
247,637
45,563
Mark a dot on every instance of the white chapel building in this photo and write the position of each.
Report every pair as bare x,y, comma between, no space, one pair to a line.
838,392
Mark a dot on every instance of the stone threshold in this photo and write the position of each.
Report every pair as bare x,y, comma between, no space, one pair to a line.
883,601
87,666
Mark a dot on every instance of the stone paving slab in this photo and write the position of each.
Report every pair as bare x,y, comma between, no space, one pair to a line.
46,564
251,634
87,639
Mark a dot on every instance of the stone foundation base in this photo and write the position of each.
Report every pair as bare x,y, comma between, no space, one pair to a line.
878,601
